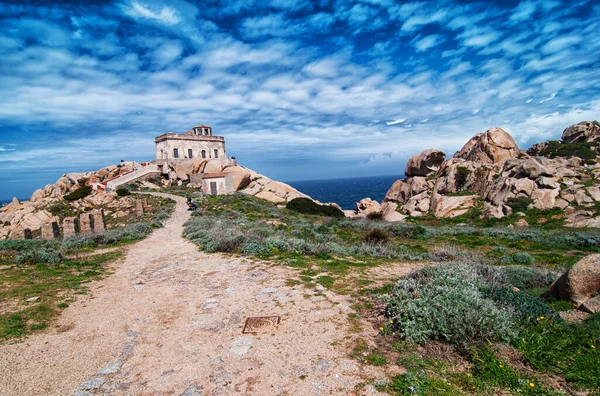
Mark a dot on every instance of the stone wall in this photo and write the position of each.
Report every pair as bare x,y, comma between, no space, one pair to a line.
165,148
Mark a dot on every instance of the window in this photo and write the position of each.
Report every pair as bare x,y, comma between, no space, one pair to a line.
189,153
203,153
216,153
175,153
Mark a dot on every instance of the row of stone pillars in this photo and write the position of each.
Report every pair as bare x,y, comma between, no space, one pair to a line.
85,223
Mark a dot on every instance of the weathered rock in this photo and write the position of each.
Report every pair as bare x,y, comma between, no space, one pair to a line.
213,166
367,207
495,145
585,131
532,168
184,168
592,305
389,213
544,198
270,196
417,185
594,192
448,206
398,192
425,163
580,282
34,219
239,175
417,205
546,182
521,223
582,198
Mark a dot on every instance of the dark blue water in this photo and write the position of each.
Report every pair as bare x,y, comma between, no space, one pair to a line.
347,192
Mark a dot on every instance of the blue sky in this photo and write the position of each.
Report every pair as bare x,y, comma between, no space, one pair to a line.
300,90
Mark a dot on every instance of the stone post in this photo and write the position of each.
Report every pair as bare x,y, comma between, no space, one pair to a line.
99,222
139,207
50,230
86,223
145,204
17,233
70,227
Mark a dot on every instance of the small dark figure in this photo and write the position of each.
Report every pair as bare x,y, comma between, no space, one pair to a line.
191,205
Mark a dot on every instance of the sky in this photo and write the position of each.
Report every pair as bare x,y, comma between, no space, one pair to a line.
299,89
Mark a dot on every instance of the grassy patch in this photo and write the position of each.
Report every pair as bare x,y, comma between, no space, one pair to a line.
53,284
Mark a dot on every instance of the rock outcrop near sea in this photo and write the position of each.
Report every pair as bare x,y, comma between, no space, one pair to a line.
490,173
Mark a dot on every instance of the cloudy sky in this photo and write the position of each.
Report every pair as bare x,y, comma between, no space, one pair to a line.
300,89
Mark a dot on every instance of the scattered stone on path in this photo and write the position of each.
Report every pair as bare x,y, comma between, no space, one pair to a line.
110,368
241,345
211,303
93,383
32,299
193,390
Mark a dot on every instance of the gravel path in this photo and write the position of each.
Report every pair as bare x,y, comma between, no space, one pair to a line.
169,320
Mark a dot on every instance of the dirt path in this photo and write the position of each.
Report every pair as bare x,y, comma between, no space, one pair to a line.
170,320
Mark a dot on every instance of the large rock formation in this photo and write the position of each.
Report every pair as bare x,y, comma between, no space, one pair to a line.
496,174
495,145
585,131
580,283
425,163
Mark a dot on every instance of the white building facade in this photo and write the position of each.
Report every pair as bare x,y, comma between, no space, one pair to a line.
198,143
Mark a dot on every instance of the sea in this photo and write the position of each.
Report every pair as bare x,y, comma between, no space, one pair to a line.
348,191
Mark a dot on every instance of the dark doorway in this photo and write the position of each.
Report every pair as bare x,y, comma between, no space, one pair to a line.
213,188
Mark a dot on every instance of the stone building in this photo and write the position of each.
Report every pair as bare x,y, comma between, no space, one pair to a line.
198,143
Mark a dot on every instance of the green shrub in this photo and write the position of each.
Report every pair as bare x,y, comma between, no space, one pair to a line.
445,303
523,258
78,194
462,175
525,307
527,277
375,235
122,191
19,245
583,150
308,206
519,204
39,256
375,216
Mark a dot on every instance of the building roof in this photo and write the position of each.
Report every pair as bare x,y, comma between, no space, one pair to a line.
202,126
215,175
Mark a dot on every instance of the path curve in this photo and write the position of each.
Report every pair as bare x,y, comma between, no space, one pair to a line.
169,320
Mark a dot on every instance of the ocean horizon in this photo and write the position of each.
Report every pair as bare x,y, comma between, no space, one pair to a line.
346,192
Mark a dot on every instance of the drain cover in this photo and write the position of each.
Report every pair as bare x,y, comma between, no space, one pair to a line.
257,324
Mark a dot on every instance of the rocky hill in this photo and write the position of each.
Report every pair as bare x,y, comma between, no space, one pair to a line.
52,203
492,175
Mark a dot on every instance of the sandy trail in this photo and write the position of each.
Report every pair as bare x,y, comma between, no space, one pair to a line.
169,320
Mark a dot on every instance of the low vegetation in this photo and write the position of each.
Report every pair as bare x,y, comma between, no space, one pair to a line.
308,206
81,192
39,278
482,300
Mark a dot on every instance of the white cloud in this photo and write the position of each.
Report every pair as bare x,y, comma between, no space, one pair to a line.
398,121
428,42
165,15
552,96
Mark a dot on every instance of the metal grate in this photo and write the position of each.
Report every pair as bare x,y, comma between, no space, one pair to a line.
260,324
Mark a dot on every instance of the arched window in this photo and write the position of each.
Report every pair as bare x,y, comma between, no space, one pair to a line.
203,153
216,153
189,153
